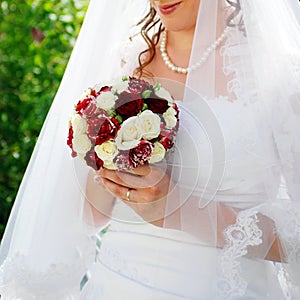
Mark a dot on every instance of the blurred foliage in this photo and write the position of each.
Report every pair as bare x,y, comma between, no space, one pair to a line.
36,39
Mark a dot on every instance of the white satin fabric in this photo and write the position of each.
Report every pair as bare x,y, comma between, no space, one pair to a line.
144,261
238,146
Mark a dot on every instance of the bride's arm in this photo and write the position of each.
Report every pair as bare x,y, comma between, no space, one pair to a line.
270,249
99,202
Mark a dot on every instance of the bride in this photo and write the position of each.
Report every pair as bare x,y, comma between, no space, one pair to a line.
219,218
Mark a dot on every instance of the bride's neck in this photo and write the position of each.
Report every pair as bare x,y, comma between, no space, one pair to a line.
179,46
181,40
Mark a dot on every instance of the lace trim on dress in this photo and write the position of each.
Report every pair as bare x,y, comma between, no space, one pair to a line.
287,218
23,278
234,53
289,230
58,282
238,237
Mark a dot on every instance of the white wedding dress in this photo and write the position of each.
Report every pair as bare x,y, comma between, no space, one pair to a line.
137,260
47,252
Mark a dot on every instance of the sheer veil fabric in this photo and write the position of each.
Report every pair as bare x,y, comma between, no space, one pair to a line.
237,154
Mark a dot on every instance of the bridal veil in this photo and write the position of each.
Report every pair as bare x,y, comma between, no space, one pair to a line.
49,242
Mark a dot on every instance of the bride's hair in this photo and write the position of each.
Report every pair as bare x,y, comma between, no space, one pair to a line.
152,22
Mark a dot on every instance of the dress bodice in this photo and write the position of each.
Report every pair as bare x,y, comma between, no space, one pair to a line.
246,143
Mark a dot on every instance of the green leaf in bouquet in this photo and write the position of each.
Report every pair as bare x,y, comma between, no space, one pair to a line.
157,86
112,113
145,107
119,119
125,78
146,94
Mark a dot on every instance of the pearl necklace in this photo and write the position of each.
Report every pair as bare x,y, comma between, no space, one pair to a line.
203,59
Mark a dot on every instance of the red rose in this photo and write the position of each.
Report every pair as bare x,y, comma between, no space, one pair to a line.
101,129
176,109
105,89
166,138
141,154
137,86
157,105
115,122
94,93
81,105
167,143
86,107
70,141
108,130
93,161
129,105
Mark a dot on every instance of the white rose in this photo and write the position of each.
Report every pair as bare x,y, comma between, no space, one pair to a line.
107,151
163,93
106,100
129,135
170,117
149,125
81,143
120,86
158,153
79,124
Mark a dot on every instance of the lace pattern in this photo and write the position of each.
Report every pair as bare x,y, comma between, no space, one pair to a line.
239,237
23,278
286,216
287,219
234,53
58,282
289,231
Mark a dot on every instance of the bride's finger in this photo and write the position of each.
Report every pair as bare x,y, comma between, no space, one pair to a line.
143,170
142,182
125,179
116,177
133,196
119,191
148,175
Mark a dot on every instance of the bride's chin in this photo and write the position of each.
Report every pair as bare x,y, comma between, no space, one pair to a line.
173,25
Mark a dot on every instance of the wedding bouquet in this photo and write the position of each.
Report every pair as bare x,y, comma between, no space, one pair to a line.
123,124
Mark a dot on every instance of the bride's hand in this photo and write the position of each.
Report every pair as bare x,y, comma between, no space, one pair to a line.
144,188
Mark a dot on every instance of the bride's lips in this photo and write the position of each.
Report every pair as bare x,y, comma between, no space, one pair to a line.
168,9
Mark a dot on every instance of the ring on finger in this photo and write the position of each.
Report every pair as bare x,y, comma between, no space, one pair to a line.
128,195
